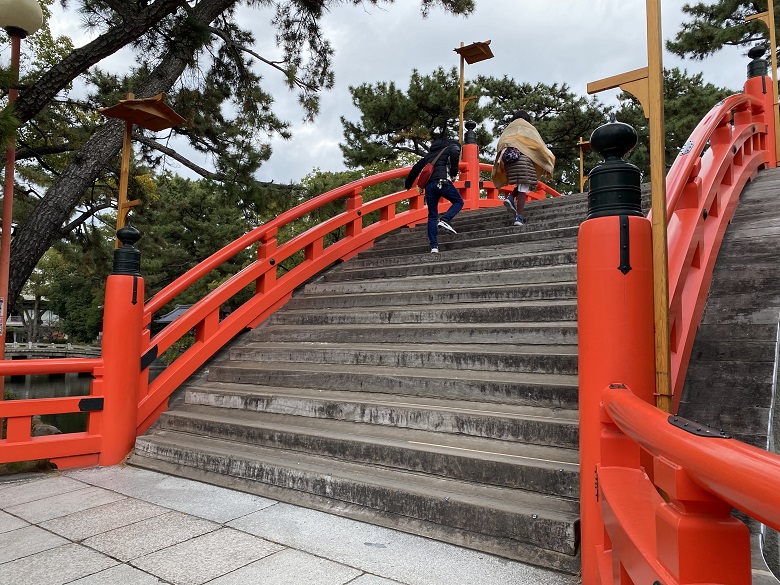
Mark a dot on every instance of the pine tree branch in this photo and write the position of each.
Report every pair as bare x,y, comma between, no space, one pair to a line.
275,64
34,98
205,173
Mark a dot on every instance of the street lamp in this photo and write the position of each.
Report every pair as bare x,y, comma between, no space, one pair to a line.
472,53
150,113
19,18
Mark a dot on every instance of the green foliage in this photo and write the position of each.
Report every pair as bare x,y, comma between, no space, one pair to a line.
686,101
183,224
78,303
561,117
74,278
714,25
393,122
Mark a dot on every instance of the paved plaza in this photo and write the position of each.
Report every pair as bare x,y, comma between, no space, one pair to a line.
128,526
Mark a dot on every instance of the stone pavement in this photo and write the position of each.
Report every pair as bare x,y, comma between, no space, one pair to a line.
128,526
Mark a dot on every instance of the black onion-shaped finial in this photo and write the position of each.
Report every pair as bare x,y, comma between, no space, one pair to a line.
471,136
614,185
758,66
127,260
613,140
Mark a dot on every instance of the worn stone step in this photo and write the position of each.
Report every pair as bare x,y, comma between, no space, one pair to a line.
502,223
551,333
527,424
546,390
558,290
534,223
447,265
536,275
497,312
455,357
520,525
536,468
414,243
508,249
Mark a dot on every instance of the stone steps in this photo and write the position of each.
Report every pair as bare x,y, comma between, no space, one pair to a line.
549,390
527,424
496,358
535,291
541,469
435,394
536,528
558,332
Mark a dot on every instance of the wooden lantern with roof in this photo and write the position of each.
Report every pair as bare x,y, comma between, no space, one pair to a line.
151,113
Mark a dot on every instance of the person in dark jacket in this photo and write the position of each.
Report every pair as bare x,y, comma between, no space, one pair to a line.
445,169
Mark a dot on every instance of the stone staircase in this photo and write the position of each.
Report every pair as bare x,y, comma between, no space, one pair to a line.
435,394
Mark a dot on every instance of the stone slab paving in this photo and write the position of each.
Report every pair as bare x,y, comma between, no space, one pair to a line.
127,526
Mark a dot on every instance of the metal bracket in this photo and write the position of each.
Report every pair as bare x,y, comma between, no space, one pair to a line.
90,404
148,358
696,428
625,252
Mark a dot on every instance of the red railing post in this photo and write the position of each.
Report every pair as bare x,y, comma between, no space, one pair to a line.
354,201
122,326
697,539
265,251
615,318
760,86
470,175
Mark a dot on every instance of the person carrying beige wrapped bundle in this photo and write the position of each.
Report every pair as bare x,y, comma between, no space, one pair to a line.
521,158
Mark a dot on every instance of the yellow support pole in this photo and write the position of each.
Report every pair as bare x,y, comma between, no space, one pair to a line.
461,105
768,18
655,76
584,146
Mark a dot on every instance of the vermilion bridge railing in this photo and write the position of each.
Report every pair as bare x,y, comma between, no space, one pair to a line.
122,403
657,490
631,532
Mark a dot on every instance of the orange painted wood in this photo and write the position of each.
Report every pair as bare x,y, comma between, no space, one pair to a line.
616,344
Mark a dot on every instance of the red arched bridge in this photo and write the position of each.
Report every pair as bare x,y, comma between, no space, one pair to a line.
656,491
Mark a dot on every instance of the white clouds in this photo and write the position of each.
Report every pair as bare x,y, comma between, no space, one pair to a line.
549,41
560,41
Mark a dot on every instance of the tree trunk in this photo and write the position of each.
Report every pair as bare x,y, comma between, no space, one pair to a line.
34,98
44,224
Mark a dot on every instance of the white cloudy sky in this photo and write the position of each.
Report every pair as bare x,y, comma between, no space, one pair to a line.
549,41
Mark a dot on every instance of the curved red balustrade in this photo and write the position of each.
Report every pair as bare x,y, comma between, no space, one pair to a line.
665,487
362,222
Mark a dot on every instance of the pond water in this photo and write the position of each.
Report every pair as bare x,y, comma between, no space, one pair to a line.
45,386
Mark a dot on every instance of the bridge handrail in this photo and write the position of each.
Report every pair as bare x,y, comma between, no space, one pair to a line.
218,258
48,366
667,517
723,153
275,291
742,475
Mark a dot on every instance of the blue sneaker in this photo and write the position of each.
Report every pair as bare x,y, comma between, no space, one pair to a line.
519,220
510,205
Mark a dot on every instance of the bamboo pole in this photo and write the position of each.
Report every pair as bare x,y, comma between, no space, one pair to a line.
658,206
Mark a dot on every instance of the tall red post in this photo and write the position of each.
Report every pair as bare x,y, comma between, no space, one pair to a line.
759,85
615,319
122,327
470,156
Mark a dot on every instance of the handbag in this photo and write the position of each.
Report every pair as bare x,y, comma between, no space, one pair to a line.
427,171
511,154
